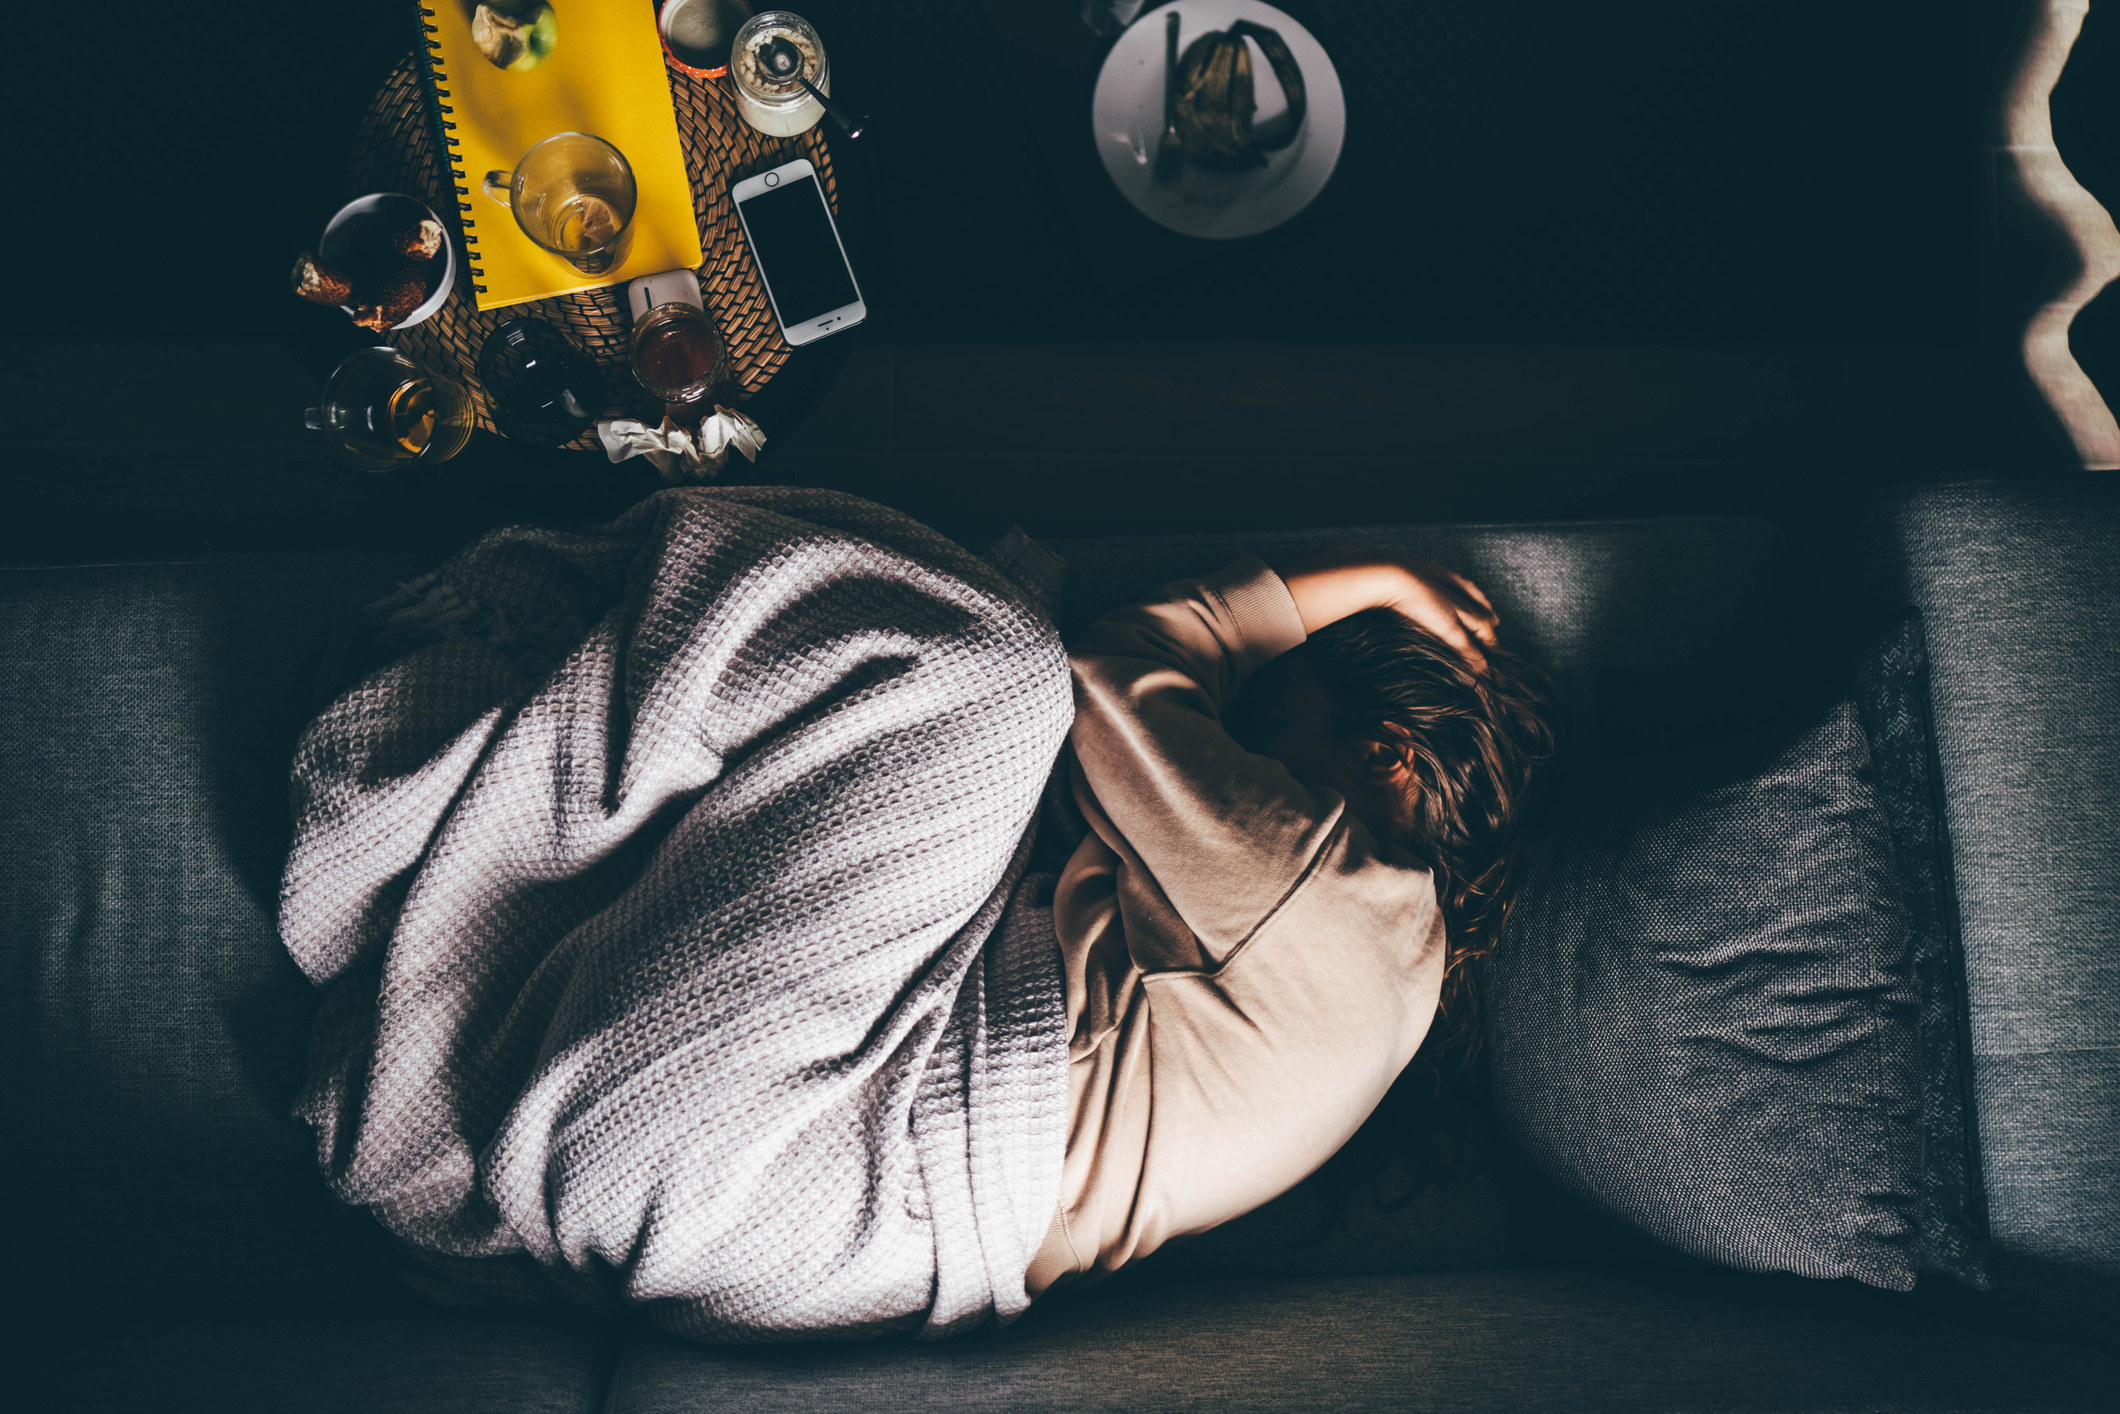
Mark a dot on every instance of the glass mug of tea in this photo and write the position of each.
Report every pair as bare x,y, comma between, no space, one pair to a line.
678,355
382,411
573,194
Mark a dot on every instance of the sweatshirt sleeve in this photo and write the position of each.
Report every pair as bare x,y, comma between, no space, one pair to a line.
1227,835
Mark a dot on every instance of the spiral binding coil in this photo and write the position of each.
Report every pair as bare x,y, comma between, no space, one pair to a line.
432,48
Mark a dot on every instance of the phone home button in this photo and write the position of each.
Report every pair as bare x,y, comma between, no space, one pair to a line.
772,179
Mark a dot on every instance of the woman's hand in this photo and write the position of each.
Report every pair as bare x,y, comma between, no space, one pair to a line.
1339,580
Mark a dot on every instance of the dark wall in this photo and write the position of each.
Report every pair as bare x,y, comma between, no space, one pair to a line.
2086,110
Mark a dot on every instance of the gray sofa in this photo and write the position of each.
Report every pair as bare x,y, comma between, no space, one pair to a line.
172,1249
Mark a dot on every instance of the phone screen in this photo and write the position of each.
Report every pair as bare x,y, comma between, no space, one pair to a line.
798,251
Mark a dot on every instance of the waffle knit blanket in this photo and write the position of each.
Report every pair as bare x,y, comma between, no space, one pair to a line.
658,893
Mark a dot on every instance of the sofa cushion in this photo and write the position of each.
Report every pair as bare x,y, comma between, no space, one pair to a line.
152,1030
1704,1016
426,1363
1503,1340
1892,692
2018,585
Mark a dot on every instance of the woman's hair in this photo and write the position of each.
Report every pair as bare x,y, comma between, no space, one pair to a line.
1475,745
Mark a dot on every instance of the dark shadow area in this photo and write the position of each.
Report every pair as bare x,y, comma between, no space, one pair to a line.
2094,338
1520,172
2086,109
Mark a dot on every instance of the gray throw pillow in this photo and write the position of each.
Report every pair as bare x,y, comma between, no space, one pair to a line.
1705,1018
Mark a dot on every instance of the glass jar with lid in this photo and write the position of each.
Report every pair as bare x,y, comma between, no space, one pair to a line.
778,105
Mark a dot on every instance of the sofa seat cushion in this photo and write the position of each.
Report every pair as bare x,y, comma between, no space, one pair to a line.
425,1363
152,1029
1460,1220
1501,1340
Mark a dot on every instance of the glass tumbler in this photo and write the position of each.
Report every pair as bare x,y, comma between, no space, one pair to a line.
678,355
381,411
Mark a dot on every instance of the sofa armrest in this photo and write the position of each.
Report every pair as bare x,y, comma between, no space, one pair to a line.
2018,584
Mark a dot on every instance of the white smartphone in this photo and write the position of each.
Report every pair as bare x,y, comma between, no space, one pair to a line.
799,253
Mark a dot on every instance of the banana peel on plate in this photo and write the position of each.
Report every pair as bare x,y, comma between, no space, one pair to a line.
1215,101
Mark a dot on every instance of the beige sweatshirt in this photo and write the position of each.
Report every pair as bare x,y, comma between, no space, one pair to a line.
1248,969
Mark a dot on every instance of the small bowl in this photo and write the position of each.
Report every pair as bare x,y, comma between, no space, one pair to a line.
725,10
331,246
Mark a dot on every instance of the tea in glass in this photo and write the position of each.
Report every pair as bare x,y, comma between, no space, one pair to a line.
574,195
382,411
677,355
412,416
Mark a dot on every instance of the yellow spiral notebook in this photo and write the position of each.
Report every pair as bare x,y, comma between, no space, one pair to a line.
602,74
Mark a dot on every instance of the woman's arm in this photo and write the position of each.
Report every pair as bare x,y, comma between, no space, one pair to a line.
1330,584
1224,832
1225,835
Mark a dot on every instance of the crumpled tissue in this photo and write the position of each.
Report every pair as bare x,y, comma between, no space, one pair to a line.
679,454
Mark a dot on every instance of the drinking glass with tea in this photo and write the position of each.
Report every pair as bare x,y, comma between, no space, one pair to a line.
573,194
381,411
678,355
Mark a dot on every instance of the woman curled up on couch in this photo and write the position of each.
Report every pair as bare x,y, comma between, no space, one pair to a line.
676,896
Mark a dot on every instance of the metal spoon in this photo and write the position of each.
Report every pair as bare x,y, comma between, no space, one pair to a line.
1170,152
783,60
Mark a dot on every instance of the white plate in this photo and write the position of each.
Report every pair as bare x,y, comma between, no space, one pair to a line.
1126,117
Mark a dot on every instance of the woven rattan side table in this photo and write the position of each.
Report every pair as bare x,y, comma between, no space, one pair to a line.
397,148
